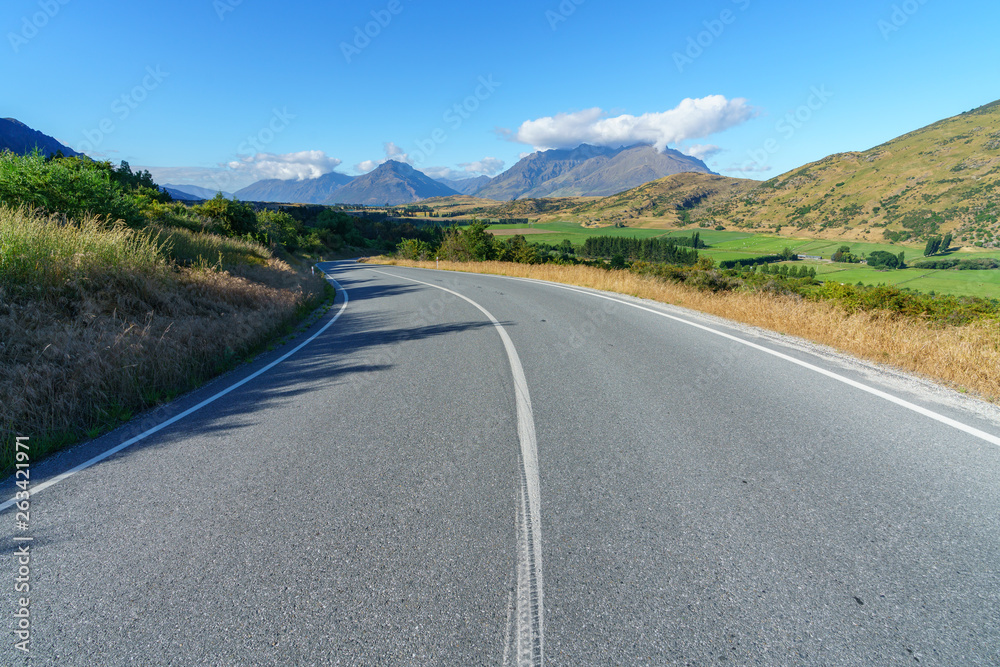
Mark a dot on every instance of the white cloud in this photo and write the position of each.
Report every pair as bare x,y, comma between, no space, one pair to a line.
750,168
691,119
237,174
392,152
702,151
488,166
289,166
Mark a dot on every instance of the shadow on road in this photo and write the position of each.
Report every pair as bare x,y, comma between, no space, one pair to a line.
367,341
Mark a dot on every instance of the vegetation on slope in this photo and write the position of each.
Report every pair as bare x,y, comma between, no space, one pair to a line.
942,178
113,298
672,199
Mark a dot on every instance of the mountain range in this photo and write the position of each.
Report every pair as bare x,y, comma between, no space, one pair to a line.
391,183
467,186
192,192
18,138
943,178
583,171
587,171
307,191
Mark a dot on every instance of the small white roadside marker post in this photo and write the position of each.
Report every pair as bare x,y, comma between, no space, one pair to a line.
437,262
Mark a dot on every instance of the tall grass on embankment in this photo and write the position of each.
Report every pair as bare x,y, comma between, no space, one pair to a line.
99,321
967,356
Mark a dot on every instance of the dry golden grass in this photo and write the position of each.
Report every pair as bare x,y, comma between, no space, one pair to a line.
96,346
966,358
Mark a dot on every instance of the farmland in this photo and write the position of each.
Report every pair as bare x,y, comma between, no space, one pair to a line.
726,245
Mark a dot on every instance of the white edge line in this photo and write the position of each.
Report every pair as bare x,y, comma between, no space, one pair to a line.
176,418
948,421
982,435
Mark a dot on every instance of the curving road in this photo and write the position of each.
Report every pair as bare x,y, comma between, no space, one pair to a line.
455,469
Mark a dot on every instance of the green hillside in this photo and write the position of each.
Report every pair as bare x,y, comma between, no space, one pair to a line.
942,178
669,199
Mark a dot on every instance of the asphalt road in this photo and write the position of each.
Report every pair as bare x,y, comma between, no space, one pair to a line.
647,492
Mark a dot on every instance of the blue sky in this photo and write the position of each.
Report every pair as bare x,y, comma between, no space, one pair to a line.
220,93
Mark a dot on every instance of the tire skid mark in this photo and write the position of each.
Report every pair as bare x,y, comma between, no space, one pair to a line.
530,612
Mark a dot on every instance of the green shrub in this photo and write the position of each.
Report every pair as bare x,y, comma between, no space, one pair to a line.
73,187
414,249
234,216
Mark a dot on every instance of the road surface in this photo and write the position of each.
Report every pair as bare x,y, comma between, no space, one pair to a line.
457,469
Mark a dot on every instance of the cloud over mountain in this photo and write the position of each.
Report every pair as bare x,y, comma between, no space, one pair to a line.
392,152
298,166
691,119
702,152
488,166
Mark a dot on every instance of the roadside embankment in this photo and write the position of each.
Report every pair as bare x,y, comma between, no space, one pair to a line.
99,321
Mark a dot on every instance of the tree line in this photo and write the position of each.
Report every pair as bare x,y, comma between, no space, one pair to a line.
666,250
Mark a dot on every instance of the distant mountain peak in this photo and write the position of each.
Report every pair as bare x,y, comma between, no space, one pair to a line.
18,138
192,192
588,170
306,191
467,186
393,183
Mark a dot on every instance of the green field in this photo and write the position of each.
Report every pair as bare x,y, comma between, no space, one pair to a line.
737,245
559,231
724,245
958,283
748,245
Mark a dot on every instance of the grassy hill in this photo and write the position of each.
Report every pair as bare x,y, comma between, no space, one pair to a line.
669,200
548,208
942,178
